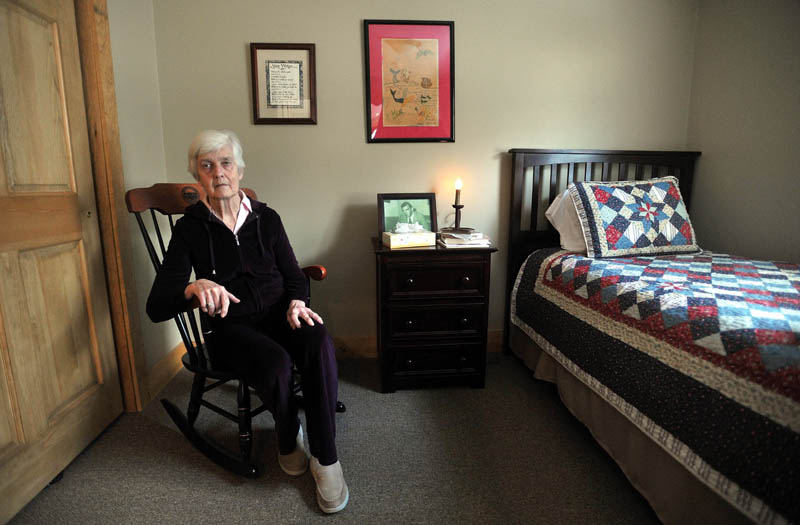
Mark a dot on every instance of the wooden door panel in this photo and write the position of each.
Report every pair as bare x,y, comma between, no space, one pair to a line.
58,371
10,429
24,468
25,343
61,309
35,134
52,352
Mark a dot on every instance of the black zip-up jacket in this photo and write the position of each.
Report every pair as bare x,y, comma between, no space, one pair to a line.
257,265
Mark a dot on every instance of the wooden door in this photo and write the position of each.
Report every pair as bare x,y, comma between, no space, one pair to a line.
59,386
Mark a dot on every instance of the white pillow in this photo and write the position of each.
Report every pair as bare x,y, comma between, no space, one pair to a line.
564,218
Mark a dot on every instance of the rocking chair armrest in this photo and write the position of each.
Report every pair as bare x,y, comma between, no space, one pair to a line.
315,271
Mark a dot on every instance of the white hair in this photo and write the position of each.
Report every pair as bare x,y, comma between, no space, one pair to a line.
213,140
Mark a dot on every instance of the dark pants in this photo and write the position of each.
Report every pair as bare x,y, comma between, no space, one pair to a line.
263,348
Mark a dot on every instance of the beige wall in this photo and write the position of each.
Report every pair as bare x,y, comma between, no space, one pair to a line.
745,117
142,141
547,73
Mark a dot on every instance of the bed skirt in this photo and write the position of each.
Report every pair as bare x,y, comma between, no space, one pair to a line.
674,493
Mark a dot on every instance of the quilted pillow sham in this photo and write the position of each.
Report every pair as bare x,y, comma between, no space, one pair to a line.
633,217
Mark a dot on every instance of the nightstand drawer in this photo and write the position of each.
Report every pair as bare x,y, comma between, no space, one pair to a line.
408,280
435,320
428,359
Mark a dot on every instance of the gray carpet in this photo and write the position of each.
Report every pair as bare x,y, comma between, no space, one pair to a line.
509,453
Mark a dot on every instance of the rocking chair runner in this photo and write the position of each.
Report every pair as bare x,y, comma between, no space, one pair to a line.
172,199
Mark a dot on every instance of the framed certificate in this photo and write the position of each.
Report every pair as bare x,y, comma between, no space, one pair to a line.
284,83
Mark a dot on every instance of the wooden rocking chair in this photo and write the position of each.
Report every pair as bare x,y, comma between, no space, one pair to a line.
171,200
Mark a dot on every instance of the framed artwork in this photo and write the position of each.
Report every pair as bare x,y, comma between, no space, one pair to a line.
284,83
410,74
406,212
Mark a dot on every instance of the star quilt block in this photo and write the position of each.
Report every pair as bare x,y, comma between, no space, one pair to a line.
633,218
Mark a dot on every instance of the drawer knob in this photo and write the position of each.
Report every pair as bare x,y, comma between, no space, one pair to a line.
409,363
462,361
465,280
410,281
463,321
409,323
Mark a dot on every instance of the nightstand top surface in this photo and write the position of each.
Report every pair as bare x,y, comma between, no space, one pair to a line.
381,249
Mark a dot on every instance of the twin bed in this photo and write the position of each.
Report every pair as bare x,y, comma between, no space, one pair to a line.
684,364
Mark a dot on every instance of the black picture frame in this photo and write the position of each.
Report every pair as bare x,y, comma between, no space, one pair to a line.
390,205
421,108
293,83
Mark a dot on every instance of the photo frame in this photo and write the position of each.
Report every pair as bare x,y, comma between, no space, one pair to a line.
284,83
406,208
410,80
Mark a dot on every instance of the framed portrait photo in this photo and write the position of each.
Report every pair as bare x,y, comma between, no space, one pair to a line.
284,83
406,212
410,75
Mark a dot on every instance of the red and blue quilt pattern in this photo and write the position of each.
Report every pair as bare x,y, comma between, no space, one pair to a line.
741,314
701,352
632,218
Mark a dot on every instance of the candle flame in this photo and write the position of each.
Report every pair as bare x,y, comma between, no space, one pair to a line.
459,184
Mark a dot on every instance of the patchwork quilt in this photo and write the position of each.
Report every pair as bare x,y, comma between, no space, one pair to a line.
701,352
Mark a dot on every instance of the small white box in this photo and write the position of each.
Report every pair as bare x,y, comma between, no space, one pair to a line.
408,240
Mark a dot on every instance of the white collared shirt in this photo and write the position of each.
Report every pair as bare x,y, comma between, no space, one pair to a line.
245,207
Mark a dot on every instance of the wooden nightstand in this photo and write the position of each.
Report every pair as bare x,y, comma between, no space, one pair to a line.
433,309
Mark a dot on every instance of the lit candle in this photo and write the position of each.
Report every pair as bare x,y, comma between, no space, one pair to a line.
459,184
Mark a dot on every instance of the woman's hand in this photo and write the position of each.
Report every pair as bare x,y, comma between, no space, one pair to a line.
297,311
214,299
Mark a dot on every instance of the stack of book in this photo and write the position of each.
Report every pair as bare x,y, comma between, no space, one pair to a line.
464,240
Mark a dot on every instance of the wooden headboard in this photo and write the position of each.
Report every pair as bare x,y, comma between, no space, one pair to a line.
538,175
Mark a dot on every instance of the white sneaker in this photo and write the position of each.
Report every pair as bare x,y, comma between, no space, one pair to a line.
332,493
296,462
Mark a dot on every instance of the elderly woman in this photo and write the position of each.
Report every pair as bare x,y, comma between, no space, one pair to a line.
250,285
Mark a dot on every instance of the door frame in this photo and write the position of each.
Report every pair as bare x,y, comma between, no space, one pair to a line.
94,42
